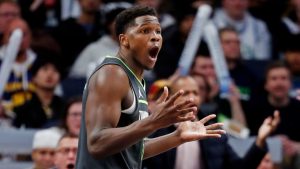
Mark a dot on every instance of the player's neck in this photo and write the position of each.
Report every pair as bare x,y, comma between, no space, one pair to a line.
132,64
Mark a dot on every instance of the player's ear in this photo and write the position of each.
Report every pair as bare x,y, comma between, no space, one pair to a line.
123,40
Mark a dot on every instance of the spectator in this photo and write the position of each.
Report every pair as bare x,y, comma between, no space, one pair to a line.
66,151
43,149
240,74
204,66
107,45
44,108
19,84
277,85
74,34
210,154
72,118
234,13
9,10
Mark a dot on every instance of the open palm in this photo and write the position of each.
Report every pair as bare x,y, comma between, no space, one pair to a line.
191,131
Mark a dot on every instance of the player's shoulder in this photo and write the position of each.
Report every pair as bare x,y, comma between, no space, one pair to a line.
112,76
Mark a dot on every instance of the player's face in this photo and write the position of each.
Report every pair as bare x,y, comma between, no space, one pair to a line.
144,41
278,83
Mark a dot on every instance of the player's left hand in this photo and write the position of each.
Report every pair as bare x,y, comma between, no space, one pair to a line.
196,130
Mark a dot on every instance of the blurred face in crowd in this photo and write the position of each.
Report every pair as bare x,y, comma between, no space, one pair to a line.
21,24
278,83
231,45
43,157
8,12
151,3
90,6
190,87
65,156
204,66
293,60
266,163
235,8
47,77
73,120
202,85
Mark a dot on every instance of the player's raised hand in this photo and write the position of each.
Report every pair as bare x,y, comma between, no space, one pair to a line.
165,112
196,130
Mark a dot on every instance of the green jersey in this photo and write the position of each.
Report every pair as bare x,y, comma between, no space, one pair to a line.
131,157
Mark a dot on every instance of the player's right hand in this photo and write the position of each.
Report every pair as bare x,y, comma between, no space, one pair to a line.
165,112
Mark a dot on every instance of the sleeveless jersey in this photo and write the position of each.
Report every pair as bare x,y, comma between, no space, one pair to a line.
131,157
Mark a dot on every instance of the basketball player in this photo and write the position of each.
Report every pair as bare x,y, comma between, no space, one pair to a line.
114,121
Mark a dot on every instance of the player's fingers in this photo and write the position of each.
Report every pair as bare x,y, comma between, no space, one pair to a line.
183,105
174,97
220,131
185,111
187,117
163,97
207,118
211,136
214,126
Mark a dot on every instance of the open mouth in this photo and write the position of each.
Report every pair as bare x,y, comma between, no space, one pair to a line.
70,166
153,52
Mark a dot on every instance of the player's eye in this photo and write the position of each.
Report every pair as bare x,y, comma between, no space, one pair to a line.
145,31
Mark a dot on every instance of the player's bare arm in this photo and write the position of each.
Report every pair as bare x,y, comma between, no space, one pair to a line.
103,112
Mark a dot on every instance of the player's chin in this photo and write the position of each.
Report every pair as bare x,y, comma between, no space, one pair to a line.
149,66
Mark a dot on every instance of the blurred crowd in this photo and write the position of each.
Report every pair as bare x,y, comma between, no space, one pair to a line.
67,39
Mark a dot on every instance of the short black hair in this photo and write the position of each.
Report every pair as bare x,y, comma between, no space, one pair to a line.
126,18
275,65
44,57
